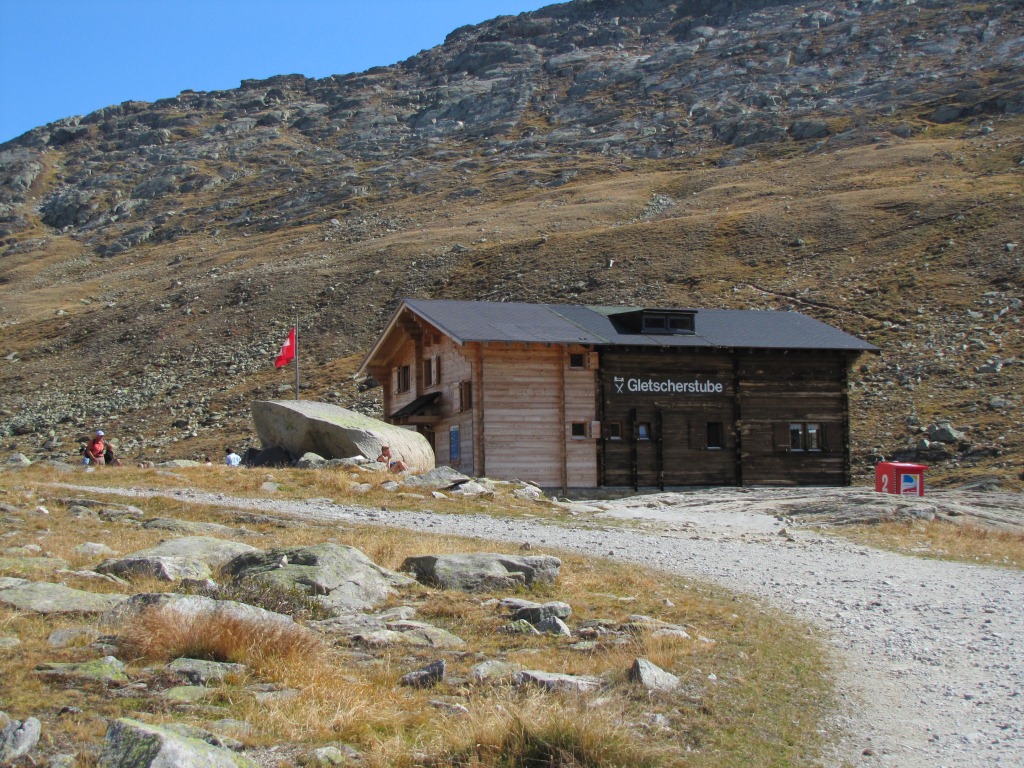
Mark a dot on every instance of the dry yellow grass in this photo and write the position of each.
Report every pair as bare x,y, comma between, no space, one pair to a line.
965,543
755,686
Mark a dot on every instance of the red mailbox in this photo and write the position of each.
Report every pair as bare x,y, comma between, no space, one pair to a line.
900,479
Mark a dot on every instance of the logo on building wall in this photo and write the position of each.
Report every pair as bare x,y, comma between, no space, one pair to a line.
665,386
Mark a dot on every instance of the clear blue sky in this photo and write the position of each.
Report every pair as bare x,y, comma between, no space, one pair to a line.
60,58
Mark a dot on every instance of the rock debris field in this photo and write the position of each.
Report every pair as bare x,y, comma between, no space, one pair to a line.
931,653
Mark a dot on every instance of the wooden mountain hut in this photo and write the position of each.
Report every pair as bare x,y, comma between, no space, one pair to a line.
579,397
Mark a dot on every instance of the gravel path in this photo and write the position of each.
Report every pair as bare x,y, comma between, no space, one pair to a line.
932,652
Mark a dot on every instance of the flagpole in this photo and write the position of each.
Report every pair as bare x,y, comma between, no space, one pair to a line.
296,355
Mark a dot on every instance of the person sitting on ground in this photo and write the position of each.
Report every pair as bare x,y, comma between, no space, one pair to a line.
231,458
95,449
392,463
109,458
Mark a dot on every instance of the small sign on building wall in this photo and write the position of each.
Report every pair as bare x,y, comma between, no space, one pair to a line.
631,385
454,445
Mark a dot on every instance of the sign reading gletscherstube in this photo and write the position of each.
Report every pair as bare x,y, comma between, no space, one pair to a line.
664,385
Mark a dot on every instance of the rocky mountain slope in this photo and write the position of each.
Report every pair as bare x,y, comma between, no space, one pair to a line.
860,161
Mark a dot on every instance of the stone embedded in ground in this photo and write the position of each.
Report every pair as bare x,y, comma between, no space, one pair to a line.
421,633
133,744
518,627
188,526
472,488
429,676
211,738
93,549
46,598
276,695
202,671
637,623
482,571
528,492
68,637
17,739
106,670
301,426
191,607
437,479
652,677
494,671
553,625
555,681
310,460
188,557
331,756
189,694
536,612
341,578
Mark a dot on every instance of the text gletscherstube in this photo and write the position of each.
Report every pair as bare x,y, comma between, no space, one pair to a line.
669,386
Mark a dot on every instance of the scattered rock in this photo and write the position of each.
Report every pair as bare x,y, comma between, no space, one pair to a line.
191,527
109,669
482,571
429,676
553,625
93,549
438,478
652,677
191,557
47,598
69,637
190,607
133,744
536,612
555,681
202,671
494,671
341,578
17,739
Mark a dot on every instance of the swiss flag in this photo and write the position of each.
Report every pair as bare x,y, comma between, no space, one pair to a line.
287,353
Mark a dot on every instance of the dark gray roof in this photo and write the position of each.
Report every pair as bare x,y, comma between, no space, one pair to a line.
467,321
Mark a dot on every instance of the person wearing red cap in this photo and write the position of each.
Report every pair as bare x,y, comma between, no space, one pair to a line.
95,449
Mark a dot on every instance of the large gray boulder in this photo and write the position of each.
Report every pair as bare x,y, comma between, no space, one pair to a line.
18,738
304,426
341,578
189,557
482,571
134,744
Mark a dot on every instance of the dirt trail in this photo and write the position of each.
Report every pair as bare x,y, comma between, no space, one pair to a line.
932,652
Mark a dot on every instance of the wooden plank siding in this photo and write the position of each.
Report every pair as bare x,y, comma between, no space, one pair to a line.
780,388
675,452
529,399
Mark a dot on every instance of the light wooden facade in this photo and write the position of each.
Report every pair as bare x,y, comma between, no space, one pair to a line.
560,400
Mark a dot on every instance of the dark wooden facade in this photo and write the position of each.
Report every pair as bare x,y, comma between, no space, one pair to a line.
735,426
